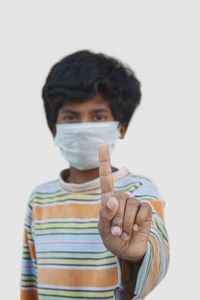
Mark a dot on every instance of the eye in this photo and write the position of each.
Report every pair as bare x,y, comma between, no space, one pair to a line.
99,117
68,118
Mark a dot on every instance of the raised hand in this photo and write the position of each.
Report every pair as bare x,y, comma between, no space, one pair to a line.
124,223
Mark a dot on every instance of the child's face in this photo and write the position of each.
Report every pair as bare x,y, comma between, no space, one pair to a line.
94,110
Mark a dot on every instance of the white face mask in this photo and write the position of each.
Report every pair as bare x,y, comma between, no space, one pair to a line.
79,142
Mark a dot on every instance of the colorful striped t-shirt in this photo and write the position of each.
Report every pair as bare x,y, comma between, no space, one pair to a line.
63,254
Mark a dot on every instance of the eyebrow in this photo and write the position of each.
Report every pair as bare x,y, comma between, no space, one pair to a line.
101,110
76,113
68,111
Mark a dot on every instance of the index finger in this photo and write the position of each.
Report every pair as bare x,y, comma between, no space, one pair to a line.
105,173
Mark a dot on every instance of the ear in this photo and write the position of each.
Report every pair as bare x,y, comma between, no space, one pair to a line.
53,131
122,128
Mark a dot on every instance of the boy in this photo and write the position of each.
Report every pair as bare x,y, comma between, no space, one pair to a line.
96,232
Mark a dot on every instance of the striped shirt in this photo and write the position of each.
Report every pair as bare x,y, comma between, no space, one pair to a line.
63,253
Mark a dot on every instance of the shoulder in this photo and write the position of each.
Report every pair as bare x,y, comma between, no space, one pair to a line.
42,190
136,183
147,187
138,177
127,178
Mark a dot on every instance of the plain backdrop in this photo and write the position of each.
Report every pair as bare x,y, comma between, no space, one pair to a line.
159,40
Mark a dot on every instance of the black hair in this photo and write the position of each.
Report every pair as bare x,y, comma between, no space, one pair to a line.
81,75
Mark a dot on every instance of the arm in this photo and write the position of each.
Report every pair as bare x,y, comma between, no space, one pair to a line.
131,228
29,267
139,280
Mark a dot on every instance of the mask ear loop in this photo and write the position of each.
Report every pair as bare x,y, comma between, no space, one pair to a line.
119,128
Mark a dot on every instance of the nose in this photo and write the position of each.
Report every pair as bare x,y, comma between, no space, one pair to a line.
85,118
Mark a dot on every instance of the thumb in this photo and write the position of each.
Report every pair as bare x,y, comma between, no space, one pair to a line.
107,213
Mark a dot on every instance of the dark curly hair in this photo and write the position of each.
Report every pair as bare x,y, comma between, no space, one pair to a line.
81,75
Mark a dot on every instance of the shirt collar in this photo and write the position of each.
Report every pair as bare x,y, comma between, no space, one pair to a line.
89,185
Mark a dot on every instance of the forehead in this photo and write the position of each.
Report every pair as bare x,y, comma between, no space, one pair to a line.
96,102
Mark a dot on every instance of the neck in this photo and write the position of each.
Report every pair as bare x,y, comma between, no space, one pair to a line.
82,176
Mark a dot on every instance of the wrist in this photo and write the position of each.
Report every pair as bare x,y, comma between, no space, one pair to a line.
136,261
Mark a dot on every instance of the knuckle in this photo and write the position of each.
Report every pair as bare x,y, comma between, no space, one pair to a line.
133,202
145,212
127,224
104,168
117,221
121,196
147,207
104,214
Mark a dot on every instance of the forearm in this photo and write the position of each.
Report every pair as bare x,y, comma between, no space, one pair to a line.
139,278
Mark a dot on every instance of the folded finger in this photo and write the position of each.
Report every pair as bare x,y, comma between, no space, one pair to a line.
117,221
107,212
144,214
132,206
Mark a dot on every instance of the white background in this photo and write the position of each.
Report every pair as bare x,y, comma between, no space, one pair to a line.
160,41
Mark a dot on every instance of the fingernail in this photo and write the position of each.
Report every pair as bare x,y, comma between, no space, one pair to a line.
116,230
135,227
124,236
111,202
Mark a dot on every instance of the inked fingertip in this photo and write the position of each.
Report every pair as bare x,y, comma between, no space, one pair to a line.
116,230
124,236
111,202
135,227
